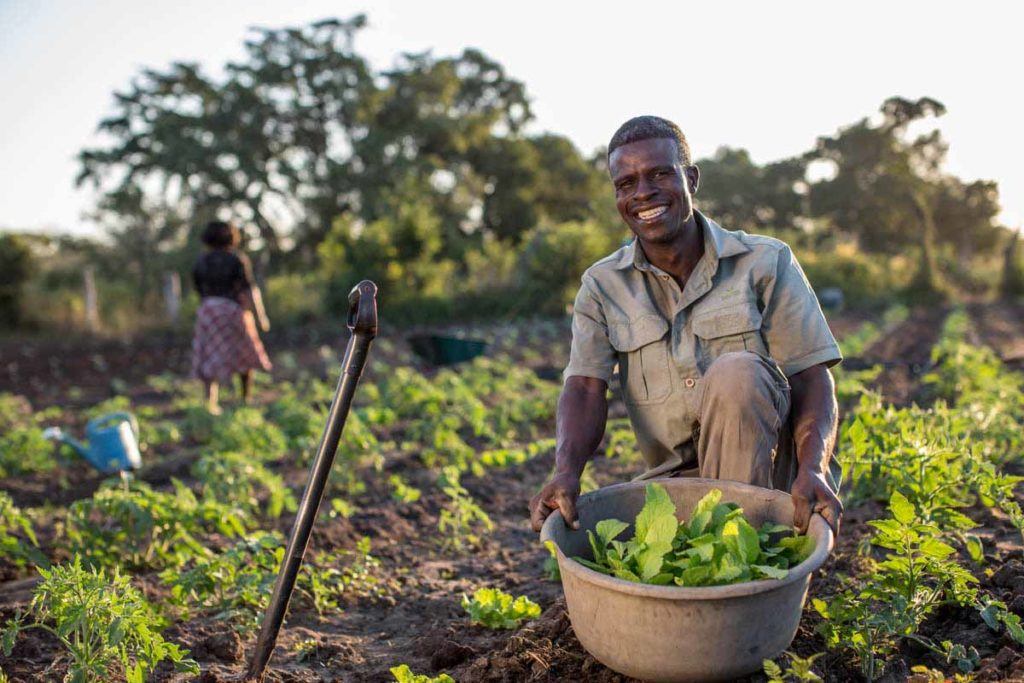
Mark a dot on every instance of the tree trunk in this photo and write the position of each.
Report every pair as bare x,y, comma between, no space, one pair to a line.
1012,286
926,282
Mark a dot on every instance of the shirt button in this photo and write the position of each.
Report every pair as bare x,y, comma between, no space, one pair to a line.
690,382
664,277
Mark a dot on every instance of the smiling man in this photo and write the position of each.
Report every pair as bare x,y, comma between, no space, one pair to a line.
722,348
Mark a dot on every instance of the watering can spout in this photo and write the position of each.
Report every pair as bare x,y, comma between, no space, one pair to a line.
57,434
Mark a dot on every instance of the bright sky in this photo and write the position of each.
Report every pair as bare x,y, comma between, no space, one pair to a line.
766,76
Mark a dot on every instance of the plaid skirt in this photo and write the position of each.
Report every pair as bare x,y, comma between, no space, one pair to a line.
225,341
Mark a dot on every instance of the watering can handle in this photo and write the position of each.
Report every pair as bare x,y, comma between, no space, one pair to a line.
362,309
98,422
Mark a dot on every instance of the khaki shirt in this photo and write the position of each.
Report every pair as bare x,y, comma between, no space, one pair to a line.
746,293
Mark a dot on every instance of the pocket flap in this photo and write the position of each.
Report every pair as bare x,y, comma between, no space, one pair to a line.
631,335
727,321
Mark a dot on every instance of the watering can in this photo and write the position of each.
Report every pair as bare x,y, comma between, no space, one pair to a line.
113,442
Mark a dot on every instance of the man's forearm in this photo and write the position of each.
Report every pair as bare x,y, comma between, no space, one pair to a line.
815,417
580,423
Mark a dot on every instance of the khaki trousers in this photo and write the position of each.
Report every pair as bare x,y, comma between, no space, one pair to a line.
743,431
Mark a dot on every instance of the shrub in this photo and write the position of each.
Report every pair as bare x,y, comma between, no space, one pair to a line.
866,280
553,260
17,265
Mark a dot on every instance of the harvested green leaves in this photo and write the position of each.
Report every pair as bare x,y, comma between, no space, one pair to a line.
716,546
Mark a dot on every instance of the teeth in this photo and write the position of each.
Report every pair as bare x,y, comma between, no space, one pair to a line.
652,213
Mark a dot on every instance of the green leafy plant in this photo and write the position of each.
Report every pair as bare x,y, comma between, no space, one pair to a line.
716,546
799,669
239,479
105,624
246,431
236,584
403,492
301,421
494,608
461,517
331,576
995,614
18,543
137,526
403,674
15,411
24,450
917,575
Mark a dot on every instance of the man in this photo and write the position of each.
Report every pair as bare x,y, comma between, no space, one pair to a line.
722,349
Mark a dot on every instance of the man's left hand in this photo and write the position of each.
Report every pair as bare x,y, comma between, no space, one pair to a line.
811,493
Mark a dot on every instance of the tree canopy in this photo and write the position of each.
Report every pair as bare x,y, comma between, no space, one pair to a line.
428,172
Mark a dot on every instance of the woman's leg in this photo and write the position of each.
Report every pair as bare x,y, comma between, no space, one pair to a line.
245,382
212,402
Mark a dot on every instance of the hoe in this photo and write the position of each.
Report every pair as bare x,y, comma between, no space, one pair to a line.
362,322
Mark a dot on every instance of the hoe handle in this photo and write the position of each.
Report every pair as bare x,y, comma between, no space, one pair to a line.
362,321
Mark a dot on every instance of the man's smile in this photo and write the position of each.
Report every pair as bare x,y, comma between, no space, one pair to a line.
650,214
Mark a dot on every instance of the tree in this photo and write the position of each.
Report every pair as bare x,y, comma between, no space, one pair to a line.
884,186
275,135
142,232
17,264
742,195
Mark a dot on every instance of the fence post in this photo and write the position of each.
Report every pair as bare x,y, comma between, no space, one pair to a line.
92,312
172,295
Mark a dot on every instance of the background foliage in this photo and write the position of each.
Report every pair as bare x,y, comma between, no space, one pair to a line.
429,178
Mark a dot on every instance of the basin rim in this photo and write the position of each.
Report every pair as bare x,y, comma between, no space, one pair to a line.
818,529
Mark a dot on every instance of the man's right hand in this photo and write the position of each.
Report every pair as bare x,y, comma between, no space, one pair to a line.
558,494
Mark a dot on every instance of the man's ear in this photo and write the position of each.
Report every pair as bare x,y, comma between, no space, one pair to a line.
692,178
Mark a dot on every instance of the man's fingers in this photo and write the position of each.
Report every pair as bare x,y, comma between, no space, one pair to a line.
567,506
831,511
801,514
538,513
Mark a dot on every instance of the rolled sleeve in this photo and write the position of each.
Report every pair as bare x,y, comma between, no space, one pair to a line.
591,354
794,327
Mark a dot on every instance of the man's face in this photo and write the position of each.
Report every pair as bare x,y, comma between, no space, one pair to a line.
653,192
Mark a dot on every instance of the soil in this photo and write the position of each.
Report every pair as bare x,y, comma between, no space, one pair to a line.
1001,326
904,353
420,622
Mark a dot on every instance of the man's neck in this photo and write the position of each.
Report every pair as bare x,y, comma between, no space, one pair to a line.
680,256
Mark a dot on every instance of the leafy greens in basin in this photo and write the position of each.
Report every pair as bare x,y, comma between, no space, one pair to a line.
716,546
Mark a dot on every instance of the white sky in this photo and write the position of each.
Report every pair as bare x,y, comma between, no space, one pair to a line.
766,76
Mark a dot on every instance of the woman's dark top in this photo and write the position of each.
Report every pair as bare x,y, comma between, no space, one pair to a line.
222,272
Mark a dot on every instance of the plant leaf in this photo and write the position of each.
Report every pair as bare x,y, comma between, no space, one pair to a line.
902,509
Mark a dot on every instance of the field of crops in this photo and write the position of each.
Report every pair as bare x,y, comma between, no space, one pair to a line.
423,532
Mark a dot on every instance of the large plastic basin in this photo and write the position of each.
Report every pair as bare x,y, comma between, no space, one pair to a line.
675,633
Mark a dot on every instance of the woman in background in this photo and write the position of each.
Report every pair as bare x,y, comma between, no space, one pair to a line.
226,342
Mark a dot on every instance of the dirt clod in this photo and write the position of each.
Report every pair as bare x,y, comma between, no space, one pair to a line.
225,646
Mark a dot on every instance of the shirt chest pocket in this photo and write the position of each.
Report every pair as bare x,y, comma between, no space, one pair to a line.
643,347
736,328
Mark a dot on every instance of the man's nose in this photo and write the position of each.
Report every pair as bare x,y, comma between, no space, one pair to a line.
644,188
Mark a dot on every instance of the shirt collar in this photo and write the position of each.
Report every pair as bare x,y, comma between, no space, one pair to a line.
719,243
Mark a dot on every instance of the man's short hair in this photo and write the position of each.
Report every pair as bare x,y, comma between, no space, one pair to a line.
647,128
